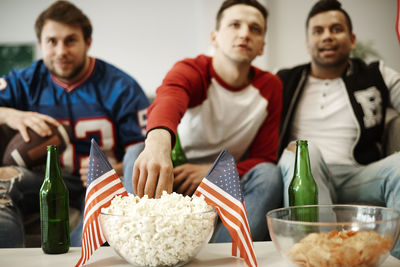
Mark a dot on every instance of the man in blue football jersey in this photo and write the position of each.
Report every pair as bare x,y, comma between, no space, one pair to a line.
94,98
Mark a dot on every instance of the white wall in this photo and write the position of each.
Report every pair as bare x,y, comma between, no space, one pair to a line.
142,37
146,37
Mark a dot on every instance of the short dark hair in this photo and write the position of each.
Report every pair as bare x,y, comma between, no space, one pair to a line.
228,3
327,5
66,13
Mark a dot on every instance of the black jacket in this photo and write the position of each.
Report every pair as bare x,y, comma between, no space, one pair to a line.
369,98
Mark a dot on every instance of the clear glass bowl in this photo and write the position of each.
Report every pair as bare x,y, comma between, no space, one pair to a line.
339,235
167,240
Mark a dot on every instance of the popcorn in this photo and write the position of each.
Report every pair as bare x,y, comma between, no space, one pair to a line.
153,232
344,248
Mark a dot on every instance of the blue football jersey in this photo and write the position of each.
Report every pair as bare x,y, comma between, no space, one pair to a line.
106,104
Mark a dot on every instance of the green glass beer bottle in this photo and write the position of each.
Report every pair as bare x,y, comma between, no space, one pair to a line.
54,204
177,155
303,190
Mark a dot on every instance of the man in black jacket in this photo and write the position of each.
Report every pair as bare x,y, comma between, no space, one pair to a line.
339,105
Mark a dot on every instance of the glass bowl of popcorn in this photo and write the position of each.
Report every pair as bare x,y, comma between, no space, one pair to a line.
334,235
168,231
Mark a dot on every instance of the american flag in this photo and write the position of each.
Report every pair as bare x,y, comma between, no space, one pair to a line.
221,189
103,184
398,20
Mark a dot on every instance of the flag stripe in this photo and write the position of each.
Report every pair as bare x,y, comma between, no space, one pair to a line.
99,183
398,21
244,244
236,234
221,189
217,189
238,218
220,195
93,242
94,208
225,215
234,248
103,186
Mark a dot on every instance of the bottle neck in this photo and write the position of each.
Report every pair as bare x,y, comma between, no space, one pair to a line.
302,164
53,170
177,140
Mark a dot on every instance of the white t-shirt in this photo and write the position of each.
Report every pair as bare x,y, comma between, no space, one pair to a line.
235,122
324,117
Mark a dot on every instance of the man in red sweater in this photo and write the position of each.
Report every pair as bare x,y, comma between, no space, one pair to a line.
215,103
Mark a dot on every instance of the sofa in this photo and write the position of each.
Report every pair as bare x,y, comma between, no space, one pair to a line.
390,145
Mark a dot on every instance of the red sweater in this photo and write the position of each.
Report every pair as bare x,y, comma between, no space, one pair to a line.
213,116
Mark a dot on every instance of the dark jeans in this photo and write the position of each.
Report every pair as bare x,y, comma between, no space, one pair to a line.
22,197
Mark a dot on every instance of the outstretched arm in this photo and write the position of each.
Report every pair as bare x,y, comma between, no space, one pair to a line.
152,172
185,85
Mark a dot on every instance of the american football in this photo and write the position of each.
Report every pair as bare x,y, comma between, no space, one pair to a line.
33,153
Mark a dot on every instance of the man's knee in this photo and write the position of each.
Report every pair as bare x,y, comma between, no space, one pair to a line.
311,147
11,226
291,147
132,154
267,176
287,160
8,177
8,173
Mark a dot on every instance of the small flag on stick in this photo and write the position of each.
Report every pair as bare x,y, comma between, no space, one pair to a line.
221,189
398,20
103,185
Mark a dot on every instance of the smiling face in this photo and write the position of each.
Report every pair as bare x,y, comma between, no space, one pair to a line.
64,50
329,40
240,37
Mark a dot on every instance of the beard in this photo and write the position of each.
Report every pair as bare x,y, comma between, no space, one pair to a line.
72,75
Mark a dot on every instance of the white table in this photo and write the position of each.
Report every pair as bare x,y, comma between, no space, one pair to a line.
211,255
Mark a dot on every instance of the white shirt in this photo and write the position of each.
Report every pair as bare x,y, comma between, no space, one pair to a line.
324,117
225,120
